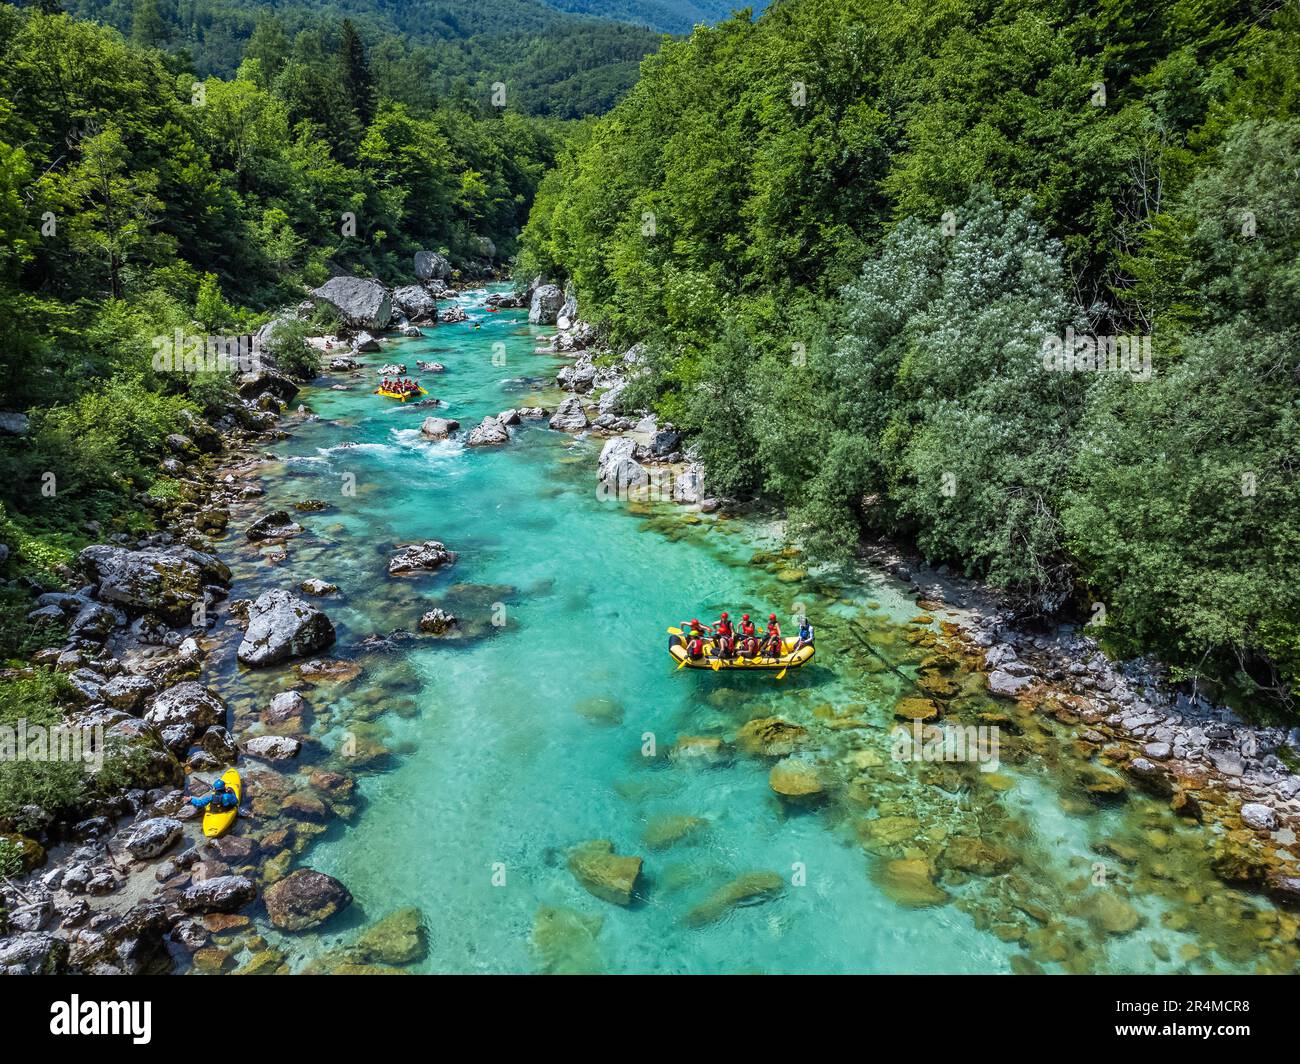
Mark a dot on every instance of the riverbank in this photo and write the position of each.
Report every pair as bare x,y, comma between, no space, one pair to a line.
475,773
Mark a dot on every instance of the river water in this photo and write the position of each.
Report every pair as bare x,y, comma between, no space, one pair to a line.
554,721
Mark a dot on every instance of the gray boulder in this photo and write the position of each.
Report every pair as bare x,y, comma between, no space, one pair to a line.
430,266
13,423
416,302
153,837
220,894
166,580
272,748
569,415
275,525
420,557
363,303
438,428
181,712
283,626
545,306
488,433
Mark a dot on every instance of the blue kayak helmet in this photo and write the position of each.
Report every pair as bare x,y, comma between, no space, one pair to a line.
218,784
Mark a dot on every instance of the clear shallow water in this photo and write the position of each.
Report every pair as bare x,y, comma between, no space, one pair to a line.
517,746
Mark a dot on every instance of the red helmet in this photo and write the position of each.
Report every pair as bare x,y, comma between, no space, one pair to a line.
771,616
745,617
694,623
724,615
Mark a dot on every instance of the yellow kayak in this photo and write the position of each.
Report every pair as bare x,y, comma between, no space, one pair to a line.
215,824
789,659
400,396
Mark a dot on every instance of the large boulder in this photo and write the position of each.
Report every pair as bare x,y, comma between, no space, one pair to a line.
618,469
305,899
153,837
219,894
14,423
420,557
603,873
32,953
165,580
181,712
569,416
282,626
546,304
275,525
438,428
259,382
430,266
489,432
362,303
416,302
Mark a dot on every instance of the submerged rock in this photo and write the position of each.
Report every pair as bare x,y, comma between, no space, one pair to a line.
437,622
603,873
909,881
665,831
282,626
978,856
399,938
796,780
753,888
769,737
305,899
565,941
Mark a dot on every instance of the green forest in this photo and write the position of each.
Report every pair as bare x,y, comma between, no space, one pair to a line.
844,230
423,52
847,229
137,197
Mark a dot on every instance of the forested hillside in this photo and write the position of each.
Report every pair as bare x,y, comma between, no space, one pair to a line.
424,51
137,199
849,230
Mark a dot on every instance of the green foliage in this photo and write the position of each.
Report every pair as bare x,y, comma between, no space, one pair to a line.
813,182
38,698
288,346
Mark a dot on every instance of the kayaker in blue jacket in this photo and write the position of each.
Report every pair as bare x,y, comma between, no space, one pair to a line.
221,799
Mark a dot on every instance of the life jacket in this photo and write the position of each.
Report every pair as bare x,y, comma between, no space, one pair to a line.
747,628
695,647
723,628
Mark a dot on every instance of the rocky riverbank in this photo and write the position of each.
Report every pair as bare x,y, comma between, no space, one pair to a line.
1236,779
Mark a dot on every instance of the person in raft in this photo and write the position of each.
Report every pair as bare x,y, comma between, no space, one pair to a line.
221,800
805,638
695,640
772,637
748,637
726,638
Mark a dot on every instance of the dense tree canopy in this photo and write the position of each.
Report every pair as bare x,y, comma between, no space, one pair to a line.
850,229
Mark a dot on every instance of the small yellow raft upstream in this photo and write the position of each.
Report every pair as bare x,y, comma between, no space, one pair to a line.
400,396
789,659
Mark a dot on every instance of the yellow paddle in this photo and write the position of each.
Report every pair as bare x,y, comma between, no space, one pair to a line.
674,631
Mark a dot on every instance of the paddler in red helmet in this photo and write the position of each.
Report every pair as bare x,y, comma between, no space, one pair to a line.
695,640
772,638
748,637
726,637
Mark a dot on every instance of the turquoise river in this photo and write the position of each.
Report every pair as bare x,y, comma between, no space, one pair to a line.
481,762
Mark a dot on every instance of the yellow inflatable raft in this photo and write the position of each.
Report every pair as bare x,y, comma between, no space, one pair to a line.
401,397
789,659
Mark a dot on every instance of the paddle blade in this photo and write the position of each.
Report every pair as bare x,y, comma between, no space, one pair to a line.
674,631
